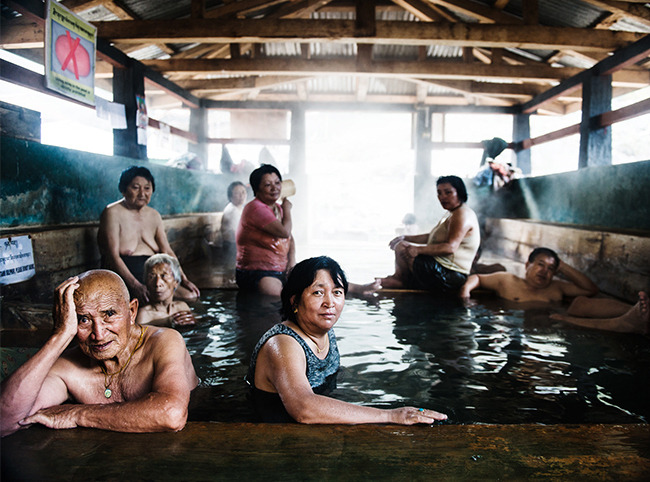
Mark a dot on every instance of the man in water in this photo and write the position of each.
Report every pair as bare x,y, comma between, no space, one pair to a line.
130,231
538,283
121,376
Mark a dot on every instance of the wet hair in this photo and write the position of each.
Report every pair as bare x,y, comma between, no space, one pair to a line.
546,252
256,176
457,183
131,173
302,275
163,258
231,188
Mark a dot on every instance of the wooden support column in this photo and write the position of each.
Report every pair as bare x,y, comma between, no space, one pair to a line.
595,141
422,187
298,173
521,132
127,83
199,126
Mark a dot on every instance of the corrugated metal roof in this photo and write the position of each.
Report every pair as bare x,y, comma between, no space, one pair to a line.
560,13
556,13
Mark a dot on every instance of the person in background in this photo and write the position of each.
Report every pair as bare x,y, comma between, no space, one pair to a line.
294,364
408,225
265,245
230,220
119,376
537,284
130,231
163,275
438,261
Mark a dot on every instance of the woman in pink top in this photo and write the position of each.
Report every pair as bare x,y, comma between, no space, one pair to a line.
265,247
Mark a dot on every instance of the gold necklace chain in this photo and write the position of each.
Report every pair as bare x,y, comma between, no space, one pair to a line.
108,377
320,350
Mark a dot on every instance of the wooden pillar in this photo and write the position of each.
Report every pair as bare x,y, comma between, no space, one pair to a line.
595,142
199,126
521,132
422,187
298,172
127,83
297,146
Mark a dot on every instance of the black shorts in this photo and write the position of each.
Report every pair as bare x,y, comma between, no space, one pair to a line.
248,279
430,275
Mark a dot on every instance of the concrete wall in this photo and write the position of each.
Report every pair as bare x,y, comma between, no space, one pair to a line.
616,262
67,250
56,195
46,185
615,198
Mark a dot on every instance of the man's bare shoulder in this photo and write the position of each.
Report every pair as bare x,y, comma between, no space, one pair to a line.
160,338
72,366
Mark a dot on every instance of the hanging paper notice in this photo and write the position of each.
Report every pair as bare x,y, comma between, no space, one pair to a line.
16,259
70,44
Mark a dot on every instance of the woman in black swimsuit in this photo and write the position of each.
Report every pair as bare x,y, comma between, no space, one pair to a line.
294,364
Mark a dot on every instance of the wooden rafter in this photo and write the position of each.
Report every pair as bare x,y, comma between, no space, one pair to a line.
345,31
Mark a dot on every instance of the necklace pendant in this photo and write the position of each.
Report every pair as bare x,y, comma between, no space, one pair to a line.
108,393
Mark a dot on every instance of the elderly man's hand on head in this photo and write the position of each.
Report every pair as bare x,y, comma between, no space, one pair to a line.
64,314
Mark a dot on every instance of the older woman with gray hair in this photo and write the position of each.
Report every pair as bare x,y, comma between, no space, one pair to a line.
162,275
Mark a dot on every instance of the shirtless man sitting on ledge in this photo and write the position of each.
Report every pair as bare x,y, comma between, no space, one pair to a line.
121,376
538,285
130,231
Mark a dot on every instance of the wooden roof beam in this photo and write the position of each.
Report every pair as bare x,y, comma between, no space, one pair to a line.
298,9
611,65
632,10
240,83
478,11
427,69
346,31
425,11
18,34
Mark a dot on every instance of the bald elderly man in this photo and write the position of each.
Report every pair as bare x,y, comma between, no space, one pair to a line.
121,376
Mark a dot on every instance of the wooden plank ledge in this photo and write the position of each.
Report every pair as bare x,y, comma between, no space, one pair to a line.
244,451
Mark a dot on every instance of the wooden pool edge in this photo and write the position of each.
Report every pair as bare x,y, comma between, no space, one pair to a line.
219,451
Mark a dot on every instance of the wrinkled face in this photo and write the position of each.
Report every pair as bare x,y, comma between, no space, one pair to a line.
105,318
270,188
320,304
540,272
448,196
238,195
161,283
138,193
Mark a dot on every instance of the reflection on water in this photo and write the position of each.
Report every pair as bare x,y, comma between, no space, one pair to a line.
485,364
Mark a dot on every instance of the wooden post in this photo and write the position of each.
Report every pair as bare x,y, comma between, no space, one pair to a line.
127,83
298,172
595,141
422,182
521,132
199,126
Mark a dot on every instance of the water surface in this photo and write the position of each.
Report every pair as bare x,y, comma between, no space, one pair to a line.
488,363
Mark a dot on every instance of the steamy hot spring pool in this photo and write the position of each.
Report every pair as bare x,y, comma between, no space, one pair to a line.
489,363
